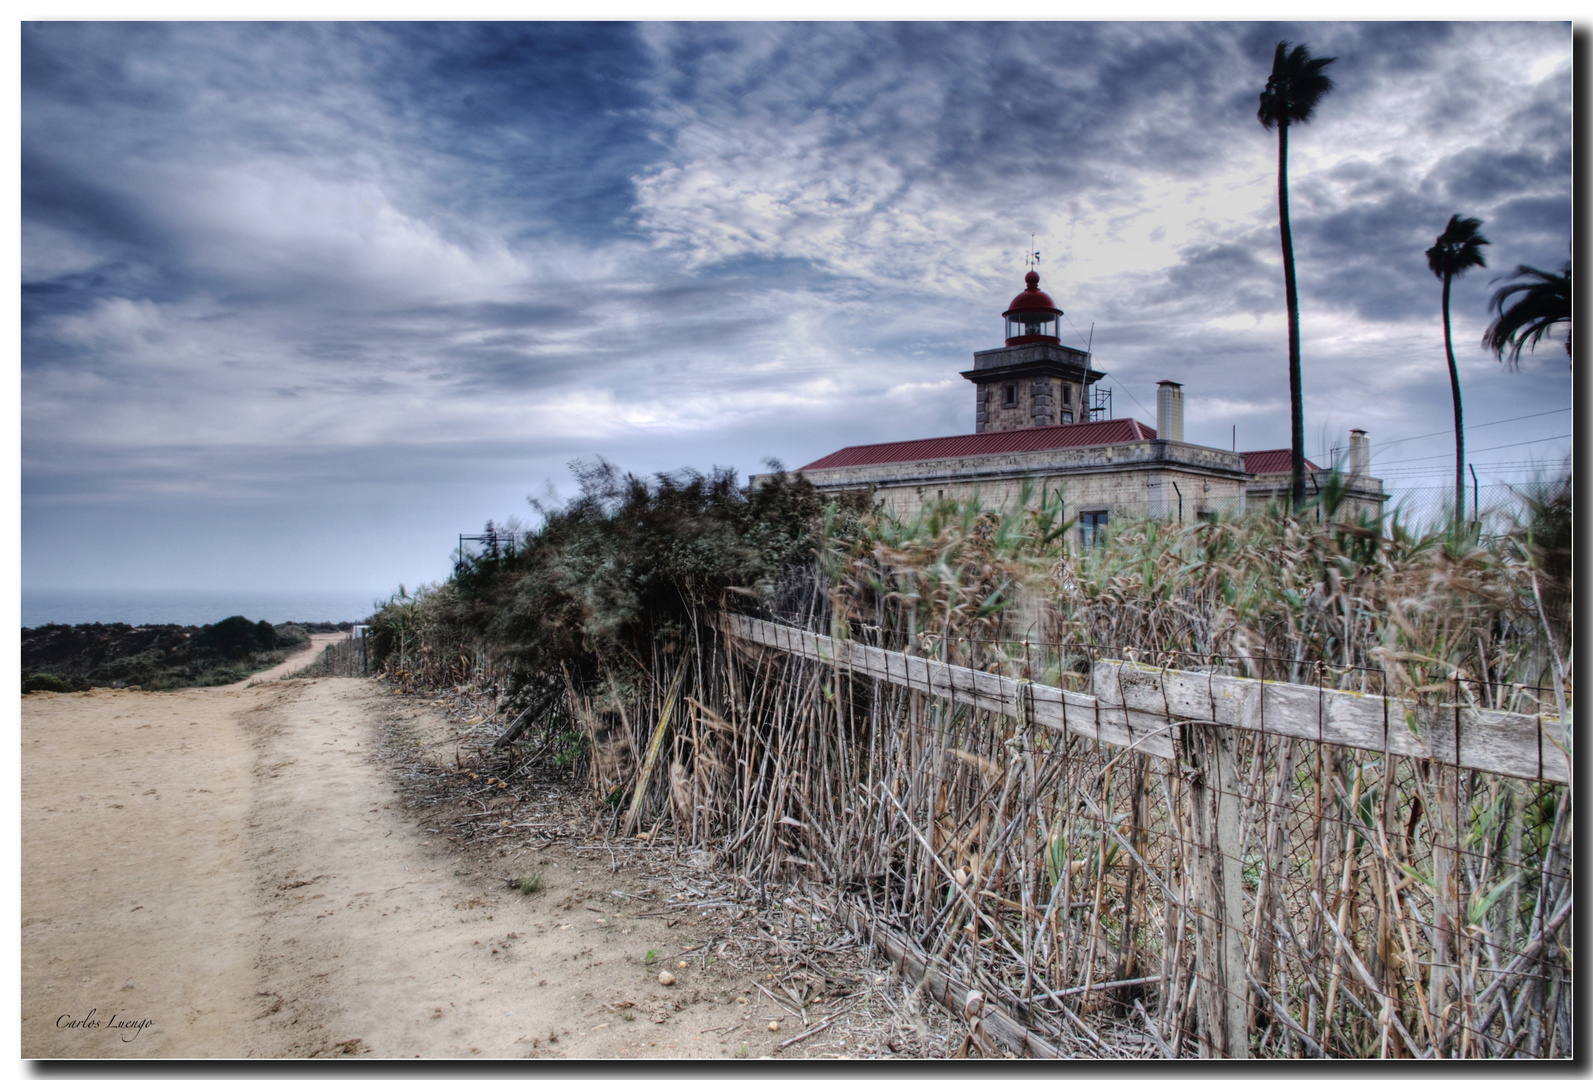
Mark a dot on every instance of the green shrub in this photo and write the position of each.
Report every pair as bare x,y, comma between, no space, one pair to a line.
158,657
610,579
144,667
291,636
236,637
43,680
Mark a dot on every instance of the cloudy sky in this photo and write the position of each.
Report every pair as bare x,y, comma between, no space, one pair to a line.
302,302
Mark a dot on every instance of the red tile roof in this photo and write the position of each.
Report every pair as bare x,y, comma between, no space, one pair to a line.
1050,437
1258,462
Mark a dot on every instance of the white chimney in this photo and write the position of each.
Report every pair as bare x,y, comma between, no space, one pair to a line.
1170,410
1360,452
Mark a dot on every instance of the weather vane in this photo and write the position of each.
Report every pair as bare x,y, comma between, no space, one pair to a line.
1031,257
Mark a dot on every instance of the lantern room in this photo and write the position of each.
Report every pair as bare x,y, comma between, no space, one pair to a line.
1032,316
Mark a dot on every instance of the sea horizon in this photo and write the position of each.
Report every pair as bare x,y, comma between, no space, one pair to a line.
192,607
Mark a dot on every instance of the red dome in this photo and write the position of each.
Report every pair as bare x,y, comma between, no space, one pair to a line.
1031,299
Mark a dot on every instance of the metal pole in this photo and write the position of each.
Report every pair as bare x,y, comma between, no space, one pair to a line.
1473,469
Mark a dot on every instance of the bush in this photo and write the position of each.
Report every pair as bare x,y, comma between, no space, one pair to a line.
43,680
144,667
160,657
236,637
291,636
610,580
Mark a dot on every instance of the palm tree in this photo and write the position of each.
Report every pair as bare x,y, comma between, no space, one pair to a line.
1458,249
1545,300
1294,89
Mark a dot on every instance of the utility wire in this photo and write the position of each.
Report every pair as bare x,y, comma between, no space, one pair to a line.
1076,331
1131,396
1109,375
1469,427
1484,450
1382,444
1442,470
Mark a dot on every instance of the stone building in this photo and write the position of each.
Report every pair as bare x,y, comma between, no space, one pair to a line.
1038,424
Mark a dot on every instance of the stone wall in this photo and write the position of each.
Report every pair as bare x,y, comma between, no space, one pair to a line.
1046,383
1365,494
1040,401
1149,478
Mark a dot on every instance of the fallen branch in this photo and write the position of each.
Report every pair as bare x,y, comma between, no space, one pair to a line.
810,1031
947,991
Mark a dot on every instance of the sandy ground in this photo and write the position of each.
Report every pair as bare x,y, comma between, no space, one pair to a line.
233,872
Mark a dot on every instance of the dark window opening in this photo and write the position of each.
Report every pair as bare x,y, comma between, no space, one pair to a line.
1092,524
1067,394
1009,394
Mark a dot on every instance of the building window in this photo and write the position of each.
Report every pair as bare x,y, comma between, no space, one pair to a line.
1067,394
1091,526
1009,394
1067,416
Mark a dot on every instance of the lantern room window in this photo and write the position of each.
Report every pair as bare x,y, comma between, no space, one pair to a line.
1030,323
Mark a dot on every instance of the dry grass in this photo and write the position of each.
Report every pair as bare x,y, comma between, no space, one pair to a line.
1392,908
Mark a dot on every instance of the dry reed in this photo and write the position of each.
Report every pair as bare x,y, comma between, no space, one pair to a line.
1391,907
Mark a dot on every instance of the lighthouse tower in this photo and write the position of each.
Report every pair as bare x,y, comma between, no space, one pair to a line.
1033,380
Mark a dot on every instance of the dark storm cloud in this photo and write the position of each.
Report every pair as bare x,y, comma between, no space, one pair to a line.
538,117
1234,272
1537,217
1480,177
975,103
403,265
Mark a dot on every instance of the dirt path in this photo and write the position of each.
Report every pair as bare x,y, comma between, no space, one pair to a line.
232,872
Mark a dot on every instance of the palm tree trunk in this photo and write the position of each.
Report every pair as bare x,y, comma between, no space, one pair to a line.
1460,434
1296,397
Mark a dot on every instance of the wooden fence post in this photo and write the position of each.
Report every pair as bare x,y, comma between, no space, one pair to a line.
1217,870
1446,906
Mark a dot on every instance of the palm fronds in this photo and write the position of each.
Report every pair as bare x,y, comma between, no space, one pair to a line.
1542,301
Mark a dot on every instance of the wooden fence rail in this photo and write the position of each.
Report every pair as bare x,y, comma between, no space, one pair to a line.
1295,860
1194,719
1137,706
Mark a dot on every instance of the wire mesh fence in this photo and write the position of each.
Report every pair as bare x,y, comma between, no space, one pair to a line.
348,657
1495,507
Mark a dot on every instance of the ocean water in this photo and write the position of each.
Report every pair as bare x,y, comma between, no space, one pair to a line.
138,607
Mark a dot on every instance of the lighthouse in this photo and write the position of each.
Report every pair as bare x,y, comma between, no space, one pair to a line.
1033,380
1043,429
